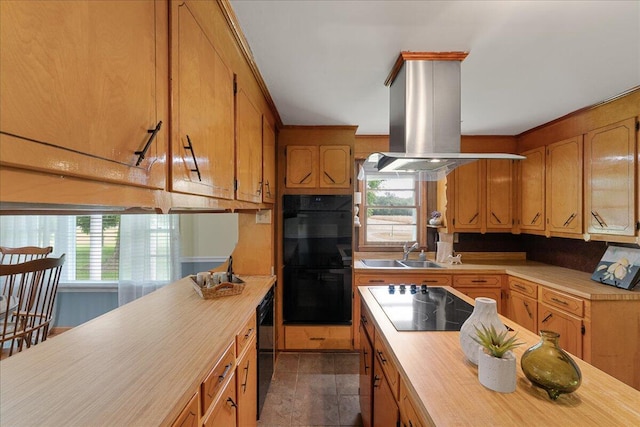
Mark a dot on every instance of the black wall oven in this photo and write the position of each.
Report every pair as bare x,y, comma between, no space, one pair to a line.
317,259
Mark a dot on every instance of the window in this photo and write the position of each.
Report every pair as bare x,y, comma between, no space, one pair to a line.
102,248
390,213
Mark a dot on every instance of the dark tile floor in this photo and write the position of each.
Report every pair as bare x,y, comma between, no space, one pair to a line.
313,389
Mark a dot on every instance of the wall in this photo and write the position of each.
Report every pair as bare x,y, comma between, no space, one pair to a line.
206,240
76,307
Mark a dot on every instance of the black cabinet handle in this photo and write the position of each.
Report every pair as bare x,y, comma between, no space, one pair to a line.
535,218
143,152
381,355
568,221
246,377
474,217
375,381
329,176
231,403
526,306
268,189
599,219
305,178
496,217
547,318
193,155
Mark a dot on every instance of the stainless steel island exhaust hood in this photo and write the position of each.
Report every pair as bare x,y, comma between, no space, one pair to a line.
424,117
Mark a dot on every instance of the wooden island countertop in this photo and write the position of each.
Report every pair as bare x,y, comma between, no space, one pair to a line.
446,390
136,365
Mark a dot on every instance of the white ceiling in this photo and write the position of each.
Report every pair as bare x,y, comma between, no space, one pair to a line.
325,62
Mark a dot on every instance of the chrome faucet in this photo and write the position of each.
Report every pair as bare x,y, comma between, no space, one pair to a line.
406,250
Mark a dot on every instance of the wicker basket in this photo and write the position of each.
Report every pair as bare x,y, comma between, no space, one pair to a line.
224,289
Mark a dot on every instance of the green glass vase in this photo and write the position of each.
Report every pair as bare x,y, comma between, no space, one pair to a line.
549,367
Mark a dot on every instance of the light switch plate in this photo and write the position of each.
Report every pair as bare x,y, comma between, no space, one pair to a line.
263,217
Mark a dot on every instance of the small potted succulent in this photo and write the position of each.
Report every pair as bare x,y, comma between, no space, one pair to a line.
496,361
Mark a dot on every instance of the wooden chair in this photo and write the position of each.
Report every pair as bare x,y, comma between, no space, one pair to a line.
23,254
29,291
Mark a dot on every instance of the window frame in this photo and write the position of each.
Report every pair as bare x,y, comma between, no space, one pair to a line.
421,215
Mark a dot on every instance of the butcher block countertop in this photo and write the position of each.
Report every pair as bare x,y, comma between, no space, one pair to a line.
136,365
563,279
446,390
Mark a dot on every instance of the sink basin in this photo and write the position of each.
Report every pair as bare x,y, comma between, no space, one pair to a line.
393,263
420,264
383,263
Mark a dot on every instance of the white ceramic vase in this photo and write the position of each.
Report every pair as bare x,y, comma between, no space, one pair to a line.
485,312
497,374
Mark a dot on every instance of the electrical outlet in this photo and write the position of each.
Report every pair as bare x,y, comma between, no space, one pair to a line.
263,217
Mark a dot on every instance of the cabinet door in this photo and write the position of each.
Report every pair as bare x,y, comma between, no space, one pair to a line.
569,327
524,311
532,190
247,386
248,149
500,195
408,414
366,375
468,196
223,412
83,84
189,416
302,166
202,91
268,162
564,187
335,162
610,170
385,408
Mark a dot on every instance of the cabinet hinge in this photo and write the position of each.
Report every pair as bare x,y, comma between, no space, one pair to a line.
637,125
583,329
235,185
638,225
235,85
453,221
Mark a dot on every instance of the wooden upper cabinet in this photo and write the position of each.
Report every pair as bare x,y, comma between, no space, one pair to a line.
248,149
469,197
483,196
500,195
564,188
532,190
609,181
268,162
83,88
202,91
302,166
335,166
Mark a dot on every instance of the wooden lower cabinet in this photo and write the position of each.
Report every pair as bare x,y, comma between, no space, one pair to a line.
385,407
317,337
474,286
247,386
523,303
568,326
366,377
408,415
190,415
224,410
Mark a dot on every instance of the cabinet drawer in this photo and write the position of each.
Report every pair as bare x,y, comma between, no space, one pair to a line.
396,279
217,378
475,281
246,333
317,337
366,321
524,287
562,301
388,367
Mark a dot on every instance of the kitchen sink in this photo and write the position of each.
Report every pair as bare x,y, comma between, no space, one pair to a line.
420,264
393,263
383,263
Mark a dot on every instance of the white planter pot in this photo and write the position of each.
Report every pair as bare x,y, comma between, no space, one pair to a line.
484,313
495,373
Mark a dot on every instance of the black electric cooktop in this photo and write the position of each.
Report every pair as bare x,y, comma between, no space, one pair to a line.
422,308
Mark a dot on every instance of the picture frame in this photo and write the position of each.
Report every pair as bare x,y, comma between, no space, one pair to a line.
619,267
